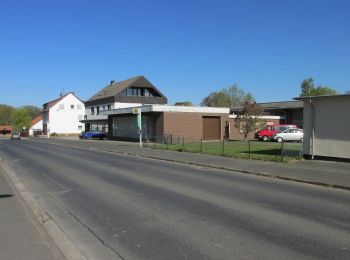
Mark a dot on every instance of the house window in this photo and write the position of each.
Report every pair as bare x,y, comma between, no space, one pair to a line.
109,107
80,127
129,92
97,110
71,106
92,110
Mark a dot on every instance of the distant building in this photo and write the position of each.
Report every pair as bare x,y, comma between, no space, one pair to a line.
36,126
327,126
62,115
5,129
283,112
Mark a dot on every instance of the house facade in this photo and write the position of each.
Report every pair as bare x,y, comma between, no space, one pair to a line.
63,115
36,126
326,127
132,92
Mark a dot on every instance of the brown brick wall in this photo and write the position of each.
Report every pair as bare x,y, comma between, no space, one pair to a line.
188,125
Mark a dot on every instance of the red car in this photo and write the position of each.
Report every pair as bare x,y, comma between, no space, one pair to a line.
266,133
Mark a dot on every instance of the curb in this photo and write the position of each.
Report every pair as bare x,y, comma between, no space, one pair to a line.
261,174
67,247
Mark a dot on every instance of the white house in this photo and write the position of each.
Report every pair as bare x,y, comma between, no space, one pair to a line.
132,92
37,125
62,115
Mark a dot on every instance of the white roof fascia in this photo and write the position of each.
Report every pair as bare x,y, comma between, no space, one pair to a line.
262,117
167,108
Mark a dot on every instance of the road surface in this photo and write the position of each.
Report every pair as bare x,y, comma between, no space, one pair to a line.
140,208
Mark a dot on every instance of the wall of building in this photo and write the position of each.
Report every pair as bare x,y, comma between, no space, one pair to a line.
188,125
65,120
331,127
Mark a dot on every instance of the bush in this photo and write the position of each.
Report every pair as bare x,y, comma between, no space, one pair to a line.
54,135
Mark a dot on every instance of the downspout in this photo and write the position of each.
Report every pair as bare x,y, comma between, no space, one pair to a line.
312,128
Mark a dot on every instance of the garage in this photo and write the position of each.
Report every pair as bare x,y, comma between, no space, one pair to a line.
211,128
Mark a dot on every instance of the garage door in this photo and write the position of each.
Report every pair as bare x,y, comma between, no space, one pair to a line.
211,128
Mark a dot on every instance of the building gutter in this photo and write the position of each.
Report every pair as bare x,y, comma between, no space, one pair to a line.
312,128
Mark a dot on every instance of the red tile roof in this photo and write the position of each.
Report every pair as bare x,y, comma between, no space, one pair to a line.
37,119
5,127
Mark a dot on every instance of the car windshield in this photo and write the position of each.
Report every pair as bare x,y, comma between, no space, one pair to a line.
15,133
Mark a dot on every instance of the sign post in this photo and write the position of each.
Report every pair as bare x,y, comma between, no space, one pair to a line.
137,111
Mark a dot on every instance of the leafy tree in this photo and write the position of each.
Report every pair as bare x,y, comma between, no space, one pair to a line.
20,119
307,86
227,97
33,111
248,119
308,89
5,114
185,103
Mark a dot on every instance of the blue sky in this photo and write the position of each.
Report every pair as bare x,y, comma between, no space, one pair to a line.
187,49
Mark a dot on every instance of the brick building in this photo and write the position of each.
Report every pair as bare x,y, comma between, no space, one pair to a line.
164,121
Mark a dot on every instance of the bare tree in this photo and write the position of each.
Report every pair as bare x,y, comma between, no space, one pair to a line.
247,120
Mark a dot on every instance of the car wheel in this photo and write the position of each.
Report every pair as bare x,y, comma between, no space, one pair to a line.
265,138
280,139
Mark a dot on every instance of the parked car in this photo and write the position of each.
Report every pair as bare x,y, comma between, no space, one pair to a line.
15,135
92,134
266,133
292,134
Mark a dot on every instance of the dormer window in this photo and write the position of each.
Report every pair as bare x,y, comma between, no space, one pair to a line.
139,92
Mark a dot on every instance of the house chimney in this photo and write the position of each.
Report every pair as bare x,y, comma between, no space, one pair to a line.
112,82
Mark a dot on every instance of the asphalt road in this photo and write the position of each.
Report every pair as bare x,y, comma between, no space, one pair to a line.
148,209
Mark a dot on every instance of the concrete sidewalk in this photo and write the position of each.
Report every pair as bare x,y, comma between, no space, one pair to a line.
332,174
21,235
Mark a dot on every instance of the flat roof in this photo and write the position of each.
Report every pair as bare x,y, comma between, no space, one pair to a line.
324,96
293,104
168,108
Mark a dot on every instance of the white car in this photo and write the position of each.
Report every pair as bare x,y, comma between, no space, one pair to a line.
292,134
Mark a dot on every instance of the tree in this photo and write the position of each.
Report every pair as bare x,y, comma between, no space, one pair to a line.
20,119
185,103
5,114
227,97
248,120
307,86
308,89
32,111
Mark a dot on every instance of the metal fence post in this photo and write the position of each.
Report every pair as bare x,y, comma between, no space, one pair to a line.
223,146
249,148
201,145
282,150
